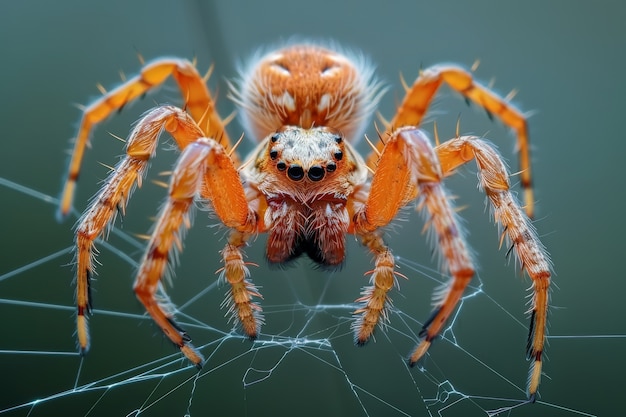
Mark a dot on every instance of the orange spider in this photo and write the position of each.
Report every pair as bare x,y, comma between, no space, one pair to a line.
305,185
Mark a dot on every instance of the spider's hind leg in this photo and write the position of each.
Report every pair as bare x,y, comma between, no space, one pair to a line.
419,96
515,228
114,196
198,103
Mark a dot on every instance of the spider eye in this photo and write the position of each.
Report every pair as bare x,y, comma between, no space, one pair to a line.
274,138
338,139
295,172
281,166
316,173
273,154
338,155
331,166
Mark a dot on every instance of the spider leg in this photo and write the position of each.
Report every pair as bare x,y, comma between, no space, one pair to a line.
374,298
516,227
198,102
419,96
201,165
114,195
239,299
408,167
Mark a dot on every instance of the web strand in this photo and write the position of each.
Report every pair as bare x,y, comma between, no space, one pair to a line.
307,340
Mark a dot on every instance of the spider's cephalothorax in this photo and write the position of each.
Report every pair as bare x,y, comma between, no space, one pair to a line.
306,176
305,185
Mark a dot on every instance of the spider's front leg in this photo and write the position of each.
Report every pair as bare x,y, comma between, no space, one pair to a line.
204,168
409,167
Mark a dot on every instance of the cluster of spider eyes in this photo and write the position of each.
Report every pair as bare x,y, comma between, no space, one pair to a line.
295,172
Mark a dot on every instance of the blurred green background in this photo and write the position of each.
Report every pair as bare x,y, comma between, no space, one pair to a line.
566,60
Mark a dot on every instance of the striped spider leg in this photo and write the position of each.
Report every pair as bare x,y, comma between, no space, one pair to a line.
410,167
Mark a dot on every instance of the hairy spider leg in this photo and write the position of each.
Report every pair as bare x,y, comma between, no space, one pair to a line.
405,165
239,300
516,228
408,168
195,93
204,163
419,96
374,300
232,207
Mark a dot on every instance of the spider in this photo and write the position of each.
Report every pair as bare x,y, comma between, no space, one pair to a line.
306,186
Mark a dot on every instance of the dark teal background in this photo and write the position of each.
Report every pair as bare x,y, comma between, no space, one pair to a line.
566,59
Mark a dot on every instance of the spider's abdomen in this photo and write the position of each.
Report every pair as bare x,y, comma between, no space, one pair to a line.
305,86
317,229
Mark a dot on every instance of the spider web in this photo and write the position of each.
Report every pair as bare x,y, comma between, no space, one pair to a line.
304,362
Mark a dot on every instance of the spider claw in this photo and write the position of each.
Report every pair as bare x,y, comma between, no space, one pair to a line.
419,364
361,341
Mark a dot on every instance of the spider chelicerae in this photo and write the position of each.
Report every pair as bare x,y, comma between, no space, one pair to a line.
305,185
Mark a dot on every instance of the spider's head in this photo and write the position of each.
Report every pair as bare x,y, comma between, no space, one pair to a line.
305,154
316,160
